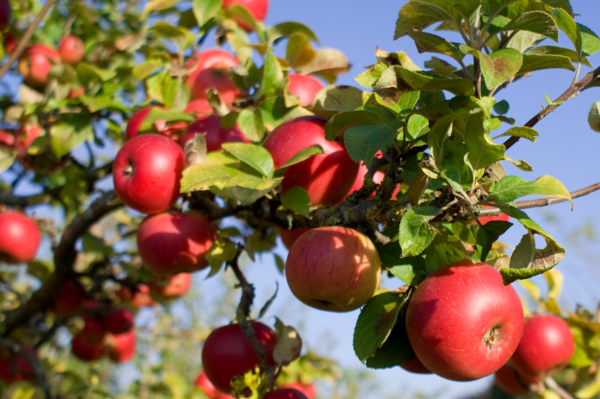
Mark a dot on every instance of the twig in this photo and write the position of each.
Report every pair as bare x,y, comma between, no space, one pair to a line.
40,374
50,333
25,39
243,312
567,95
552,384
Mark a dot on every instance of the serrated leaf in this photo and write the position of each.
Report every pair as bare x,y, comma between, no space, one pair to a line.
417,126
302,155
567,24
272,76
555,50
251,124
325,60
418,81
500,66
297,200
363,142
417,16
488,234
540,62
157,114
482,150
335,99
426,42
415,232
590,43
523,132
534,21
339,123
202,176
67,135
204,10
255,156
441,131
456,168
512,187
524,40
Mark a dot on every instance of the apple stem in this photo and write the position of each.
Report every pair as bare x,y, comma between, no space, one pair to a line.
552,384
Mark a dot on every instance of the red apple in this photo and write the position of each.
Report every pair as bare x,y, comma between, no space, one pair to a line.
546,347
24,138
75,92
198,106
138,299
206,387
305,87
19,237
15,366
333,268
308,390
512,382
172,287
85,350
483,220
463,323
69,299
5,14
285,393
414,365
137,120
326,177
258,9
146,173
121,347
93,331
227,353
172,243
7,140
377,178
210,72
71,50
35,63
11,41
289,237
118,321
215,134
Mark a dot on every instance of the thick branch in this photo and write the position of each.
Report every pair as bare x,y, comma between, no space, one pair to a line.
26,37
40,374
567,95
64,259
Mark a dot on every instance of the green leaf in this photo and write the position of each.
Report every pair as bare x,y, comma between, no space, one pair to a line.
180,36
590,43
555,50
297,200
247,189
438,256
202,176
221,251
512,187
7,158
536,22
482,150
157,5
567,24
417,126
157,114
500,66
524,166
369,77
455,168
594,117
177,96
255,156
239,12
147,68
67,135
415,232
302,155
523,132
539,62
335,99
524,40
488,234
88,72
417,81
272,76
375,322
363,142
441,131
408,100
395,350
502,107
251,124
426,42
341,122
204,10
417,16
286,29
410,270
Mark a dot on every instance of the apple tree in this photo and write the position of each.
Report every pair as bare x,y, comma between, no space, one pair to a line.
164,157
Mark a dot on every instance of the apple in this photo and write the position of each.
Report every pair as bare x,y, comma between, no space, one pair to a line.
11,41
15,366
7,140
285,393
24,138
198,106
138,299
69,299
172,243
377,178
85,350
19,237
118,321
35,63
146,173
258,9
308,390
5,14
512,382
305,87
333,268
121,347
326,177
172,287
546,347
210,72
75,92
414,365
215,134
71,50
93,331
137,120
289,237
485,219
463,323
227,353
206,387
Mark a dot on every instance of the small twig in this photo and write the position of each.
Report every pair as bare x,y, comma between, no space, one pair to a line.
50,333
40,374
552,384
26,37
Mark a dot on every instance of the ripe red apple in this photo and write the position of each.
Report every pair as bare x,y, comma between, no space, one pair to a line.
546,347
93,331
19,237
24,138
139,299
121,347
227,353
146,173
35,63
198,106
463,323
215,134
210,72
75,92
285,393
5,14
172,287
118,321
172,243
308,390
377,178
71,50
512,382
258,9
206,387
11,41
414,365
85,350
483,220
68,300
333,268
289,237
326,177
305,87
7,140
15,367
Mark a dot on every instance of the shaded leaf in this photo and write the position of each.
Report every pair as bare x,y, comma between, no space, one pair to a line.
297,200
415,232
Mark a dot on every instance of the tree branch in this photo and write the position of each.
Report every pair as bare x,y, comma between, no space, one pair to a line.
567,95
552,384
26,37
40,374
64,259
